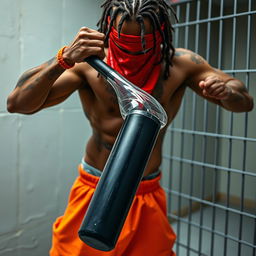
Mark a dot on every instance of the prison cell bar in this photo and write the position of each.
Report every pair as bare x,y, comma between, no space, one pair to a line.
229,170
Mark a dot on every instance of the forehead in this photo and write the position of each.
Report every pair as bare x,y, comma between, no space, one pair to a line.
132,27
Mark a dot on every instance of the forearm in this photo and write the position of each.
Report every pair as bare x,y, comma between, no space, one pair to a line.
33,87
238,100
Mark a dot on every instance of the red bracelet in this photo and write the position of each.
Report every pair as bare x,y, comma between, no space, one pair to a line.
60,59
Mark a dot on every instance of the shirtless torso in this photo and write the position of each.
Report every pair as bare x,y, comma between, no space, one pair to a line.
101,108
49,84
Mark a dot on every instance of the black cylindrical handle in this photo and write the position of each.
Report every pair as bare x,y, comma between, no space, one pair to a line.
118,184
104,69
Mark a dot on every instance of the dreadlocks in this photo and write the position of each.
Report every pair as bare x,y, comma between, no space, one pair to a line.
155,10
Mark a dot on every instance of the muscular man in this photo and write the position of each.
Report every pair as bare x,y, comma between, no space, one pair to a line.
135,38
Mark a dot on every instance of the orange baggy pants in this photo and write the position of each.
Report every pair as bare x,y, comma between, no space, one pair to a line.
146,231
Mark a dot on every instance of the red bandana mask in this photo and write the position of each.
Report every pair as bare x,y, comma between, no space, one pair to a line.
125,55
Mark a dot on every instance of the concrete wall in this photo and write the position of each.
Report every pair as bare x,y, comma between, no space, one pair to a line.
39,154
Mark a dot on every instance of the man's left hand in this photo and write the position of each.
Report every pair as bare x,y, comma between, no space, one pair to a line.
215,87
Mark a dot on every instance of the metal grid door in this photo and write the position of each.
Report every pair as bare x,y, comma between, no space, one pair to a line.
209,159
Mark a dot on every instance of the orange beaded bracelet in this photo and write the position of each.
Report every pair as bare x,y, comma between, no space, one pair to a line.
60,59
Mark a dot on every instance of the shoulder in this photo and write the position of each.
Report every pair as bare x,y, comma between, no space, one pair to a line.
190,63
185,56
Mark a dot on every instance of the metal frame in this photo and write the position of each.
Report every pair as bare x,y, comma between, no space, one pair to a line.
179,128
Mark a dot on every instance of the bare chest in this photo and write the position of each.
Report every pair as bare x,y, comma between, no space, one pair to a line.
100,103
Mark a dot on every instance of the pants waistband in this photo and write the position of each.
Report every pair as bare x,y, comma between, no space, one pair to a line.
96,172
146,186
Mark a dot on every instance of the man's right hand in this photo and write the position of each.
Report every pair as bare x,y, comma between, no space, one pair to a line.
86,43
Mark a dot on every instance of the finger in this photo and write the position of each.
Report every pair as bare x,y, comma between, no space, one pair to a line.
211,88
210,82
87,29
226,93
201,84
91,34
214,87
214,92
222,96
206,94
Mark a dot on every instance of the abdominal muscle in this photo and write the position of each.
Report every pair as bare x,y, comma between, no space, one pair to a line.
98,151
102,110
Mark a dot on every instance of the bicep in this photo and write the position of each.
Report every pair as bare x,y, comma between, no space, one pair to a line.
196,67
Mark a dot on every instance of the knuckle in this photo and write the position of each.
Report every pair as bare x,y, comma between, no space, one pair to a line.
84,50
101,44
84,29
102,36
83,42
82,34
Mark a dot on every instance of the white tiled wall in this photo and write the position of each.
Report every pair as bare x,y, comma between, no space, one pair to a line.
39,154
